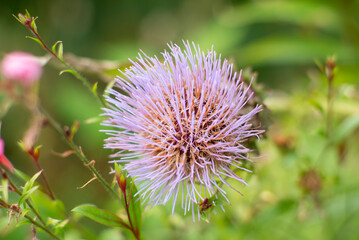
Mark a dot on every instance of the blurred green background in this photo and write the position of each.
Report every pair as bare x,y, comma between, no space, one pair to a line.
280,40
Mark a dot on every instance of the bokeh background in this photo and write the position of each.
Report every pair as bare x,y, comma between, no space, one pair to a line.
304,187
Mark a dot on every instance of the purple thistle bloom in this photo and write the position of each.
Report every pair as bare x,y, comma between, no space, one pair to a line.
180,125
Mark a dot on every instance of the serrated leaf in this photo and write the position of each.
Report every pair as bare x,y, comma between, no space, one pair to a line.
101,216
36,40
27,194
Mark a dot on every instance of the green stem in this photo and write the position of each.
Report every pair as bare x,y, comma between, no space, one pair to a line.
77,74
44,180
42,227
78,152
330,109
127,207
20,193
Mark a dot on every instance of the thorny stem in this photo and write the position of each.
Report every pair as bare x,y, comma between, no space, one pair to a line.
78,152
56,125
77,74
72,145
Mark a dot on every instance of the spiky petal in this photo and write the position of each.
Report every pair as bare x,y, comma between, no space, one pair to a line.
180,125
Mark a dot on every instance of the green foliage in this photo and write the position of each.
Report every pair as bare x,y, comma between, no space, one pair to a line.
60,50
132,203
100,216
36,40
29,188
5,189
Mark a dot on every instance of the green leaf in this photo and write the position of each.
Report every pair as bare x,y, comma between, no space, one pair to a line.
21,19
31,182
135,206
57,224
52,221
60,50
36,40
27,14
23,222
134,203
24,211
94,88
28,188
33,25
101,216
27,194
69,71
5,189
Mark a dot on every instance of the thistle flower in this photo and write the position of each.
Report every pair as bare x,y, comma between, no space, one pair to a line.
22,67
180,125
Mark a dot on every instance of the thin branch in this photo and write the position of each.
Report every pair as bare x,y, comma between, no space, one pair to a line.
78,152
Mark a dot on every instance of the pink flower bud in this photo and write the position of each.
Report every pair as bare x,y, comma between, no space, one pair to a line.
22,67
3,160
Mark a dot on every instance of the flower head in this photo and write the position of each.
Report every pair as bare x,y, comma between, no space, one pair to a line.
180,125
22,67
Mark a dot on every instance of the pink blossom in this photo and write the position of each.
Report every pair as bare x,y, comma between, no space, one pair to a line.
21,67
3,160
